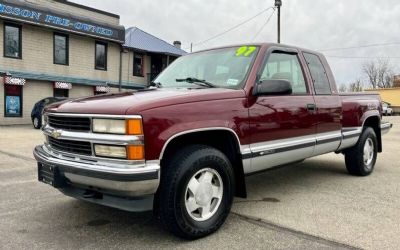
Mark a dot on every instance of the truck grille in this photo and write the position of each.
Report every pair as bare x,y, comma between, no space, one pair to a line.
75,147
70,123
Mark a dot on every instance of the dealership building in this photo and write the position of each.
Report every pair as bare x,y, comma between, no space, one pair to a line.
63,49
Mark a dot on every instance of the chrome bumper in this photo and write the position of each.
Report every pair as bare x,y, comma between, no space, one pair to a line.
385,127
124,180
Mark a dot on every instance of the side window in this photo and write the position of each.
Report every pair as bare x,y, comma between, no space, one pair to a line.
282,66
318,74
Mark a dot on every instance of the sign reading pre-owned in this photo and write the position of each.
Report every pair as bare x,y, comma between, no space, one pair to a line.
26,12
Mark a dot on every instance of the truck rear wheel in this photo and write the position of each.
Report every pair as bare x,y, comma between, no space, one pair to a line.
360,159
196,192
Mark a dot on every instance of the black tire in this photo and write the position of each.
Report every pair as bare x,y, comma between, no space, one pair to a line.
36,122
175,176
354,156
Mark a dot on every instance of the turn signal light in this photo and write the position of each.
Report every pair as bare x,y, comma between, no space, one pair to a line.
134,127
135,152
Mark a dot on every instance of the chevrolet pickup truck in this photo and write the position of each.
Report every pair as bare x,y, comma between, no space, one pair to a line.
184,146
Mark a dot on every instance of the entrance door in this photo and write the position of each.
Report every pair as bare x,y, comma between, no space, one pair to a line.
282,127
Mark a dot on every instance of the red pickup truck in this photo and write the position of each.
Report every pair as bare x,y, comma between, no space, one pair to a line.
184,146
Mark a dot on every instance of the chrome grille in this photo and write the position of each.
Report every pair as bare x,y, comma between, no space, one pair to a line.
75,147
70,123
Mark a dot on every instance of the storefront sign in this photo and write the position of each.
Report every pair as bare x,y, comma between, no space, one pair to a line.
62,85
26,12
103,89
14,80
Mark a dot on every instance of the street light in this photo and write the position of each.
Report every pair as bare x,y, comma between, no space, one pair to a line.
278,4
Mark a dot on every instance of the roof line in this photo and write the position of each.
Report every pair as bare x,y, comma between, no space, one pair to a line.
134,27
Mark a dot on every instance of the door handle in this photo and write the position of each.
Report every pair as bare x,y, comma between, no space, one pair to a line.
311,107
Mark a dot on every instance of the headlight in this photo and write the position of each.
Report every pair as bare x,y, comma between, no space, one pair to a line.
113,126
44,120
110,151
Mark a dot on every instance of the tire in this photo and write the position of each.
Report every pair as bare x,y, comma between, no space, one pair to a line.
360,159
36,122
211,170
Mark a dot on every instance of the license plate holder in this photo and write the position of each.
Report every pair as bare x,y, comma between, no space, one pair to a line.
50,174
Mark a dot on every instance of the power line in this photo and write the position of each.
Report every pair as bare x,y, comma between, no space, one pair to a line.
232,28
362,46
363,57
265,24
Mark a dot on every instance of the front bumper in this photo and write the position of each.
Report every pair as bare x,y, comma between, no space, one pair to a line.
126,182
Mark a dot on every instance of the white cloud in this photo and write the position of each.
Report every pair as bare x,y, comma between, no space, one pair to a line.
305,23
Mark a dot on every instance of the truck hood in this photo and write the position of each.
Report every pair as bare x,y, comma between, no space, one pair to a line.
134,102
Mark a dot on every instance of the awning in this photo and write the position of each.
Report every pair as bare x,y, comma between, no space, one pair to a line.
102,89
33,14
14,80
62,85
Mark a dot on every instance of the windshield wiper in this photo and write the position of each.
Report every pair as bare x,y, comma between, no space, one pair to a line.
194,80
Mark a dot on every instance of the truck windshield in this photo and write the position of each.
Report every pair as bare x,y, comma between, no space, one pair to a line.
223,68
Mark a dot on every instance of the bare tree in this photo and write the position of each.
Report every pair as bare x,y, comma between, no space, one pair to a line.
356,86
379,72
342,88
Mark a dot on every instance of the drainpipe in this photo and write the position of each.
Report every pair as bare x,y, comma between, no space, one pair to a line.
120,69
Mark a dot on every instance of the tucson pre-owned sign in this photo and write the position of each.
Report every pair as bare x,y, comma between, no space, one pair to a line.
32,14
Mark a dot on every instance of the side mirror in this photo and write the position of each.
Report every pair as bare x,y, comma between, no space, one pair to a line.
273,87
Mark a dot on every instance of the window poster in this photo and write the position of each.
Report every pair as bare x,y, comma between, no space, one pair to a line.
13,105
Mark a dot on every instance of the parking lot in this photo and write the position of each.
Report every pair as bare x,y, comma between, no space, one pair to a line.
311,205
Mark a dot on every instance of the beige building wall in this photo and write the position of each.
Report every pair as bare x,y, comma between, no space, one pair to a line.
37,55
127,68
63,7
81,91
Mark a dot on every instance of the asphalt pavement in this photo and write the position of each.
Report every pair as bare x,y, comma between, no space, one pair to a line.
311,205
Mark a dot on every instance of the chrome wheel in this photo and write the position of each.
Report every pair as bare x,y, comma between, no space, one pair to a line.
203,194
368,152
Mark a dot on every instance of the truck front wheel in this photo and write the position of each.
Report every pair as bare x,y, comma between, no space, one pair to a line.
196,192
360,159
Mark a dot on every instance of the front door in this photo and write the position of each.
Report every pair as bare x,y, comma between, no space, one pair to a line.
282,127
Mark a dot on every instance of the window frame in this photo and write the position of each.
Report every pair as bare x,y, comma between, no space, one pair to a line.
105,55
15,25
67,48
21,103
287,51
311,75
142,65
55,89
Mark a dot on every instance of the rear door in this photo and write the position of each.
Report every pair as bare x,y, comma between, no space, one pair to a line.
328,105
282,127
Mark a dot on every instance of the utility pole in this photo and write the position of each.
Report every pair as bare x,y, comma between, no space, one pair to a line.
278,4
191,47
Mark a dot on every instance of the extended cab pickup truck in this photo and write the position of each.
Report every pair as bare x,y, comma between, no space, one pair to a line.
183,146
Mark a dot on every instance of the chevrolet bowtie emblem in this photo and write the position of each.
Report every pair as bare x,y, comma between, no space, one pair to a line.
55,134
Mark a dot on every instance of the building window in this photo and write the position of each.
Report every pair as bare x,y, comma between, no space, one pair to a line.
61,49
13,100
12,41
101,56
138,64
61,93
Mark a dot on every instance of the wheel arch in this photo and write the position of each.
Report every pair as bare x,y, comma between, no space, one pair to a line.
213,137
374,122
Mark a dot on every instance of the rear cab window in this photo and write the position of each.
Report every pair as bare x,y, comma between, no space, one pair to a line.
318,74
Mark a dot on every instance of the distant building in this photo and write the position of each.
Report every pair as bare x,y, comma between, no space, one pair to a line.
396,81
390,95
60,48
